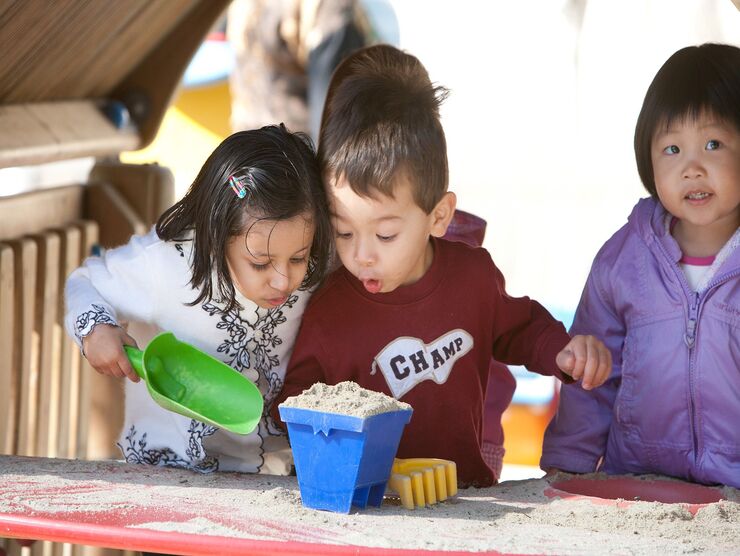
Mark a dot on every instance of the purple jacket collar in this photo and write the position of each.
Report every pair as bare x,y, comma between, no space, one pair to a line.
648,220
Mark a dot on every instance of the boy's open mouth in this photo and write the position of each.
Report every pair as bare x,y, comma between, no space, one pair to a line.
373,286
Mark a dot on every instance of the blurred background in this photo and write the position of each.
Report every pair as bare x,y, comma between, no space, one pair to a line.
539,122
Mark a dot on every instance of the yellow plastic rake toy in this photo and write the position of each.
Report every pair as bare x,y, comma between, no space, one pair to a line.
423,481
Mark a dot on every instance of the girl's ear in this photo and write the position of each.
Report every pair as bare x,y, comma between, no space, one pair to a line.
442,214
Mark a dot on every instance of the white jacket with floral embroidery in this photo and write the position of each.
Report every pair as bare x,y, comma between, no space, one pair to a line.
147,281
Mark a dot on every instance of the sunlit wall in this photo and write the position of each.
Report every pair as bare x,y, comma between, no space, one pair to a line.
539,123
545,95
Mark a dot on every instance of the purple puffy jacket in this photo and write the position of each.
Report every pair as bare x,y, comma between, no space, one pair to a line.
672,403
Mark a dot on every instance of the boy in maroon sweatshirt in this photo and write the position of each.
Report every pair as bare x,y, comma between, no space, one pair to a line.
408,313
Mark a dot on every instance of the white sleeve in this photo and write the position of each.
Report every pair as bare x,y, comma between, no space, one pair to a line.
119,285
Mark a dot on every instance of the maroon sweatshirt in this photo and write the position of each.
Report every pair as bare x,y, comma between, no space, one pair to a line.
428,344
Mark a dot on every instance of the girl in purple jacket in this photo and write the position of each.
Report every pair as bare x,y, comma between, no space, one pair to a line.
664,293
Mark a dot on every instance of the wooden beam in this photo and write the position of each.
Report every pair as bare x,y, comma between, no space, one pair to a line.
30,213
44,132
157,76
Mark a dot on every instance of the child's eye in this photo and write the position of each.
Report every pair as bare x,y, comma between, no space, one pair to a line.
671,149
712,145
298,260
387,238
259,267
344,235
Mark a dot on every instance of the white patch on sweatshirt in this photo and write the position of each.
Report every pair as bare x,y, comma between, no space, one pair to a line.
406,361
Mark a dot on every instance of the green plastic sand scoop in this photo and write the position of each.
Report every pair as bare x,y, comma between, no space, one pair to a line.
187,381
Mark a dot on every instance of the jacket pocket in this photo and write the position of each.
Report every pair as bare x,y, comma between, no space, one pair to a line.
653,403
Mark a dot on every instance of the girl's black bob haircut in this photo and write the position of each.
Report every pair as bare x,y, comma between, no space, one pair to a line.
281,176
693,81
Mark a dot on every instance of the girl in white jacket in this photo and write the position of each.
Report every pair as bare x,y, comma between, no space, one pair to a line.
227,269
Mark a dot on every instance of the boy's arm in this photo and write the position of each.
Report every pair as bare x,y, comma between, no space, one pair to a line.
525,333
576,438
304,368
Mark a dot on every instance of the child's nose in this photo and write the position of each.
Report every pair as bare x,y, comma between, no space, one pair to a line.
693,169
279,280
363,254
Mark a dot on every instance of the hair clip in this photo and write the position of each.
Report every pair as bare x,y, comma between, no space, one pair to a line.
238,187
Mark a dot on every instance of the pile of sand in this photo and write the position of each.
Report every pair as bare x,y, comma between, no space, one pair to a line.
345,398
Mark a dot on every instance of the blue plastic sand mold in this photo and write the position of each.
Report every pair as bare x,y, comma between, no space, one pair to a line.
342,460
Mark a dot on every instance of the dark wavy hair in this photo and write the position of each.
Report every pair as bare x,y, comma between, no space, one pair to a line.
280,173
381,118
693,81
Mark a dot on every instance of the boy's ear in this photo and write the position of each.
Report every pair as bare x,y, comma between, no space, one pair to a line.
442,214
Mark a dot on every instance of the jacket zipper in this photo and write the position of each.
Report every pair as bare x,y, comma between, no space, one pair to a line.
690,339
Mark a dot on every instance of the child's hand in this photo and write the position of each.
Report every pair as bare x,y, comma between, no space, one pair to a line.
587,358
104,350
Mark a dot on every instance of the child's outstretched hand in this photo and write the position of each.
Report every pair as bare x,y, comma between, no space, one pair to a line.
587,358
104,351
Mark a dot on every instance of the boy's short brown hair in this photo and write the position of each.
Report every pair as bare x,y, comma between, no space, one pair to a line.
381,117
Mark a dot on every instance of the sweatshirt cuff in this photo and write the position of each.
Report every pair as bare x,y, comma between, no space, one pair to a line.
547,350
569,462
493,455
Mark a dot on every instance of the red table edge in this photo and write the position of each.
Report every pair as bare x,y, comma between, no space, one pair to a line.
44,529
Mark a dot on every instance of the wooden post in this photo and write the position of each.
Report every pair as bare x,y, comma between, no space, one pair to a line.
69,399
27,356
9,377
47,303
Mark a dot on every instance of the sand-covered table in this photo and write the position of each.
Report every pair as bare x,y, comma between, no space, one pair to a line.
233,513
